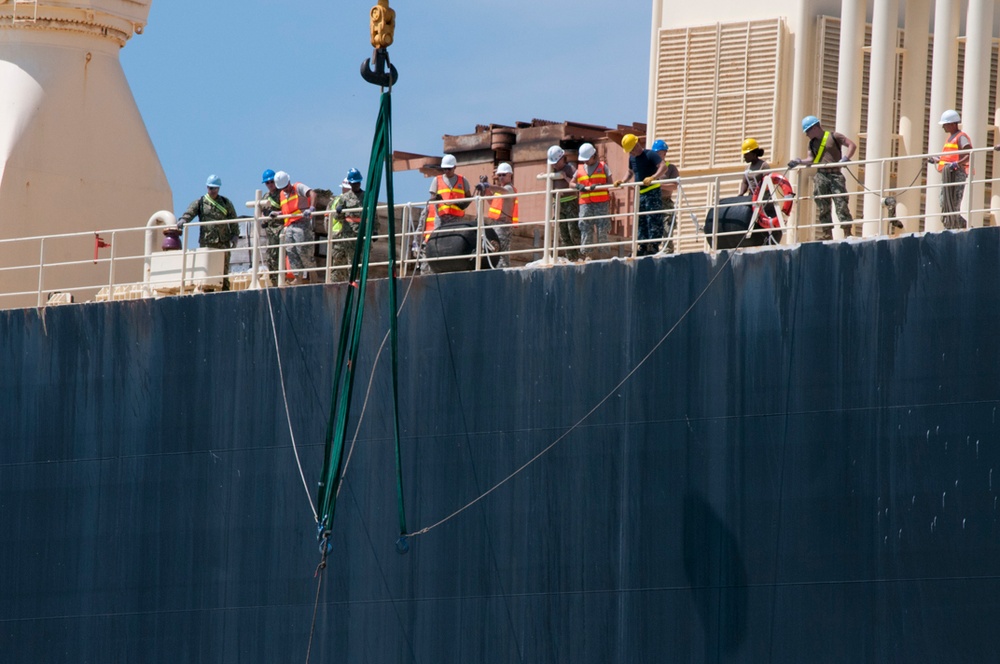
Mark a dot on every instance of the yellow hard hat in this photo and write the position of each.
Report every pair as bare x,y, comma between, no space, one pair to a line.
749,145
628,142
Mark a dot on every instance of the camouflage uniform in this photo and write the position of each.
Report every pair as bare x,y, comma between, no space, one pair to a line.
272,227
569,227
952,192
650,223
344,232
594,231
668,225
215,236
828,183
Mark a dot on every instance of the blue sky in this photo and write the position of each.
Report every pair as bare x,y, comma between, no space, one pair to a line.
233,87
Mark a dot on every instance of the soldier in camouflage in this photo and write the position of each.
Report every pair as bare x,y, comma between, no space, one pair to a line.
344,229
213,207
272,227
568,204
667,189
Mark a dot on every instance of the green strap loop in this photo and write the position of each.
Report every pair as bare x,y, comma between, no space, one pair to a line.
351,323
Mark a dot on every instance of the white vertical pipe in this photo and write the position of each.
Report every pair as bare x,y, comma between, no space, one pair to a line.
803,81
881,84
850,67
944,74
654,67
850,75
979,35
912,119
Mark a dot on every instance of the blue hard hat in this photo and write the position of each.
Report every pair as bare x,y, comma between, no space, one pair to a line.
268,176
354,175
213,181
809,121
660,144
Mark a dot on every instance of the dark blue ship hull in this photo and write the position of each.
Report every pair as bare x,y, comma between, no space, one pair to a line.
803,470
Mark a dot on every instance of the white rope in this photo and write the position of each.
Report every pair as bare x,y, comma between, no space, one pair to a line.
288,413
589,413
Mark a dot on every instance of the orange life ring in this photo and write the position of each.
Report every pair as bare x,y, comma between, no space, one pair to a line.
767,216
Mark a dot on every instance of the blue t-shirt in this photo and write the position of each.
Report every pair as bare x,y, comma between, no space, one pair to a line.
644,165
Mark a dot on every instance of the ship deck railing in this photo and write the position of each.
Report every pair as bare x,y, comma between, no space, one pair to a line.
53,269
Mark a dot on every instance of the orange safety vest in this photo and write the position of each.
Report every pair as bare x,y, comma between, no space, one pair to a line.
290,205
430,221
950,149
599,177
496,209
448,194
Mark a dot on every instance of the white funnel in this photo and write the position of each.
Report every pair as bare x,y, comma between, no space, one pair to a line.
74,152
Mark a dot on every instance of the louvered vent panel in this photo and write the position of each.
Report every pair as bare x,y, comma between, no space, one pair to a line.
826,88
715,84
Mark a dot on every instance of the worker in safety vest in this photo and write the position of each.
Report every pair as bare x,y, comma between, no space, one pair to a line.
591,180
347,222
214,207
828,147
297,205
567,201
954,169
667,190
646,167
448,187
503,211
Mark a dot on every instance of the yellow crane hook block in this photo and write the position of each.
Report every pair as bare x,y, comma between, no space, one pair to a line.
383,24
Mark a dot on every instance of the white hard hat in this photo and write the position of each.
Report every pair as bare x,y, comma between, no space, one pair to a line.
950,116
555,154
587,151
281,179
504,168
345,184
449,161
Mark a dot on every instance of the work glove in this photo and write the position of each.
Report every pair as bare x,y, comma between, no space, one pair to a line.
580,187
481,188
794,162
618,183
647,180
844,160
307,213
273,214
953,167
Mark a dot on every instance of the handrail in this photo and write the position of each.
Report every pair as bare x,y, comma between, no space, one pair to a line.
697,195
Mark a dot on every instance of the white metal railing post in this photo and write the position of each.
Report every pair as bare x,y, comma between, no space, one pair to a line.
883,178
715,215
41,270
328,276
111,263
184,255
479,231
255,243
548,253
407,240
633,193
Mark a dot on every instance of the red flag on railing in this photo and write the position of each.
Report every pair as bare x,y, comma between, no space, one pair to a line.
99,243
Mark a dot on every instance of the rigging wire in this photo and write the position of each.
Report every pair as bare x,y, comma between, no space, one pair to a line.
288,412
600,403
